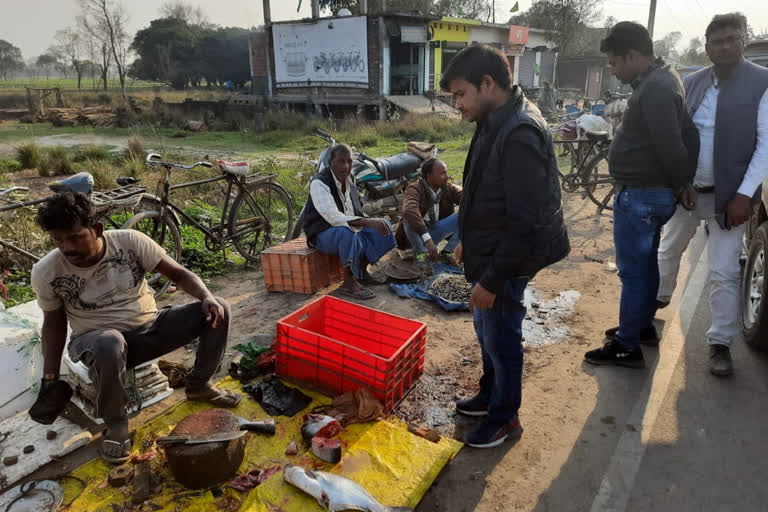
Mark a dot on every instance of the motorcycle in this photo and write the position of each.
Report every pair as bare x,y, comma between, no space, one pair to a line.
381,182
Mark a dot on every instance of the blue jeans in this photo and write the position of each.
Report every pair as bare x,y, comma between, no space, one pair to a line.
638,216
352,247
500,332
442,230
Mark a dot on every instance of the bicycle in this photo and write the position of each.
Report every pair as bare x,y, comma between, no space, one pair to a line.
106,204
257,212
589,170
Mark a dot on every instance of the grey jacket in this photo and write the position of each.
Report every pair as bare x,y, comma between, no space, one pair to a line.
657,144
735,123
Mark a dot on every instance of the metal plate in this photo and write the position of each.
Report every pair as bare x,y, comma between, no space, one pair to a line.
33,496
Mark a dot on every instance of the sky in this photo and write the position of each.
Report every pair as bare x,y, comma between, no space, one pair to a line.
31,24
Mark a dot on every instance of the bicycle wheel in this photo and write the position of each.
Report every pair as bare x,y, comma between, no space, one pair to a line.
597,182
261,218
163,230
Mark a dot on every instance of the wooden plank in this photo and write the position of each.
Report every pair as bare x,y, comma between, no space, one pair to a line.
22,431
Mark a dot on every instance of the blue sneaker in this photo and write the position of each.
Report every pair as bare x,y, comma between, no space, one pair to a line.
474,406
492,433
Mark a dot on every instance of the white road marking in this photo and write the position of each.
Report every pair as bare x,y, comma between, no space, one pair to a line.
619,479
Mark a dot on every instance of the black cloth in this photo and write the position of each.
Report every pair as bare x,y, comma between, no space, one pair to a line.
51,401
313,222
657,144
510,217
276,398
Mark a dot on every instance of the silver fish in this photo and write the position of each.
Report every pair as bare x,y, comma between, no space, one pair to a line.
335,492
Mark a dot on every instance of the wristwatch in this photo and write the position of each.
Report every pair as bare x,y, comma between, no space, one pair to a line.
50,376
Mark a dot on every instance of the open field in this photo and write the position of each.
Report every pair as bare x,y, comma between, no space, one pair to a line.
71,83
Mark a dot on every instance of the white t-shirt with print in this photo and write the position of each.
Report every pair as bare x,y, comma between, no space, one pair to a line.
112,294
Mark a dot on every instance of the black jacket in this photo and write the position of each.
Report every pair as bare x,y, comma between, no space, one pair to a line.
313,222
657,144
510,217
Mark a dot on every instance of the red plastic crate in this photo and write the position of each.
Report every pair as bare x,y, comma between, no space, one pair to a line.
295,267
337,346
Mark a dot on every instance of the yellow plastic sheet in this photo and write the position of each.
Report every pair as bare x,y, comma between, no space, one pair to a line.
395,466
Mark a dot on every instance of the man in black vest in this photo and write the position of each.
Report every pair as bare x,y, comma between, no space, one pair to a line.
510,227
729,105
335,224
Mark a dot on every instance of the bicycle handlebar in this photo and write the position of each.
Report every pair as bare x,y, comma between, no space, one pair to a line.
153,159
4,192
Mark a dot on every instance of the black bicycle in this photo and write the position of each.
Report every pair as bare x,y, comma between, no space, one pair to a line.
112,206
257,212
589,170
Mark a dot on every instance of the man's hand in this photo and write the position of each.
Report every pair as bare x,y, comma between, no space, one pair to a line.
687,197
481,298
379,225
431,249
739,210
214,313
458,254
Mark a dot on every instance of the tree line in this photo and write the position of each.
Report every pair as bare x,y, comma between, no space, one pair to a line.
180,48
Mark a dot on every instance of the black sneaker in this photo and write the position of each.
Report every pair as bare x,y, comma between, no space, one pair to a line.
492,433
720,362
612,353
474,406
648,336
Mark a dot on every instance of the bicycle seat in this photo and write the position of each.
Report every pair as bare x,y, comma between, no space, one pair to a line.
235,168
127,180
81,182
597,136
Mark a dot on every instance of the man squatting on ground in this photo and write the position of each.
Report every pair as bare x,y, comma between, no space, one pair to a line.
428,213
94,280
510,226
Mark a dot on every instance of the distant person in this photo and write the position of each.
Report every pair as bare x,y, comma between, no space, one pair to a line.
429,212
510,226
94,280
335,224
729,105
652,166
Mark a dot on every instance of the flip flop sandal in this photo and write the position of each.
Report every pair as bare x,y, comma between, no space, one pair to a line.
360,294
115,452
217,397
370,280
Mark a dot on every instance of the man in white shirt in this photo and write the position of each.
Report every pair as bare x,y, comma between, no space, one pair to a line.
725,100
335,224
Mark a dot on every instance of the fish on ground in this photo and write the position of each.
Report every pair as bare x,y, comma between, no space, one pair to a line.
335,492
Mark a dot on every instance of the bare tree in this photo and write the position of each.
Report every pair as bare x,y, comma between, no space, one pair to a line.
107,19
667,46
181,10
565,21
98,50
70,48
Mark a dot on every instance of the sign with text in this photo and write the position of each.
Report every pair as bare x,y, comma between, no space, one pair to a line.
326,53
518,35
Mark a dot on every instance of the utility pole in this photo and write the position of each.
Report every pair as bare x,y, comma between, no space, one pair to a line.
652,18
493,6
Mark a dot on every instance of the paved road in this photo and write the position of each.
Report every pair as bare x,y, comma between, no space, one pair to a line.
687,441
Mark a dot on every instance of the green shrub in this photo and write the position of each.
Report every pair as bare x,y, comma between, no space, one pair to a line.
9,165
55,162
104,173
29,155
91,153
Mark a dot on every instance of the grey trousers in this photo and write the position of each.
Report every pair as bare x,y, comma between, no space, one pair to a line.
108,352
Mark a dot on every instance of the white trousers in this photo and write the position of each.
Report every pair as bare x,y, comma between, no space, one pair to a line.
724,250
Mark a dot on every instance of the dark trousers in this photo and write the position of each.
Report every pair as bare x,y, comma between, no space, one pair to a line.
638,216
500,333
108,352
